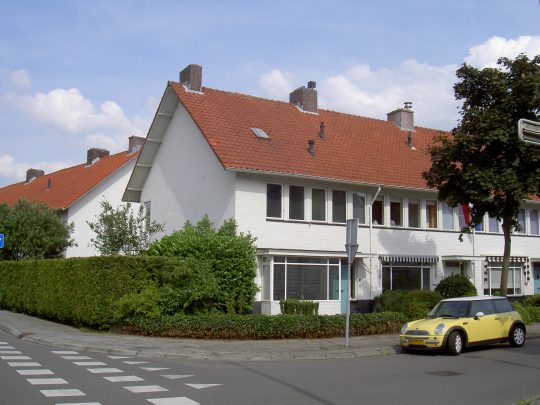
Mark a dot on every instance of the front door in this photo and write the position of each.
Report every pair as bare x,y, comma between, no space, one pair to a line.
344,282
536,275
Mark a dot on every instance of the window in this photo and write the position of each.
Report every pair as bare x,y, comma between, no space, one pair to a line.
431,214
147,212
521,222
492,279
395,211
318,204
377,211
273,200
306,278
484,306
359,207
405,276
533,219
461,217
339,206
414,213
296,202
447,216
265,277
502,305
493,225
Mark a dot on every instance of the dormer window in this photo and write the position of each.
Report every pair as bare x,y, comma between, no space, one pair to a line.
259,133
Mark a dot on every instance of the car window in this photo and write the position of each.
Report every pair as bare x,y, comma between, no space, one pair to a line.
502,305
484,306
451,308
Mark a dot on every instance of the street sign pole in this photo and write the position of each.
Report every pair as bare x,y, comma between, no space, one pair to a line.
351,246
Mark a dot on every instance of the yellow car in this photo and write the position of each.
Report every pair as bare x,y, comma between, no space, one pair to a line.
456,323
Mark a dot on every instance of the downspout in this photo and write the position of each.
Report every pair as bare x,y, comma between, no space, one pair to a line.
371,242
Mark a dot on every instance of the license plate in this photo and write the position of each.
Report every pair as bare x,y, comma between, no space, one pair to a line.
416,342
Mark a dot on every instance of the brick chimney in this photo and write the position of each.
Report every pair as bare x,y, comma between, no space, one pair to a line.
135,143
191,77
305,98
95,153
33,173
403,117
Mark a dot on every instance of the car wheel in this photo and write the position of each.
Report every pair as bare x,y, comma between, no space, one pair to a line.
517,336
455,343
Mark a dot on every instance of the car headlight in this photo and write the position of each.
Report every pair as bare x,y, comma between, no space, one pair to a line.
404,328
439,328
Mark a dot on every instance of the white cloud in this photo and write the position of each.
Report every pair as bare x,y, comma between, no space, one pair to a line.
275,84
14,80
486,54
12,171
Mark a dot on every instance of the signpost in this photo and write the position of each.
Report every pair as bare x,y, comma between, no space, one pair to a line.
529,131
351,246
1,240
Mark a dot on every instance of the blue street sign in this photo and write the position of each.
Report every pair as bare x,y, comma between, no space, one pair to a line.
1,240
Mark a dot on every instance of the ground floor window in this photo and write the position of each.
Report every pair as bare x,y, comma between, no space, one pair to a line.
406,276
492,278
304,278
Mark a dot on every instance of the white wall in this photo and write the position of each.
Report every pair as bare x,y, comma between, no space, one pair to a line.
88,207
186,180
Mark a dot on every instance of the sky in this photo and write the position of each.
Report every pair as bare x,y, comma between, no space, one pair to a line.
77,74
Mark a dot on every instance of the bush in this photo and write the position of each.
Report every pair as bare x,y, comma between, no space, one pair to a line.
532,301
292,306
456,285
390,300
230,326
414,304
232,259
523,312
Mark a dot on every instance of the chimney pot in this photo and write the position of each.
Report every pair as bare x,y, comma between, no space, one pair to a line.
305,98
95,153
403,117
191,77
311,84
135,143
33,173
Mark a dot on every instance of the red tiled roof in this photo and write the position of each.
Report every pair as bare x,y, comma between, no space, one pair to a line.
354,148
67,185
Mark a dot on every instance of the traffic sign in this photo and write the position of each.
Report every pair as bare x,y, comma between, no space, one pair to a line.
529,131
1,240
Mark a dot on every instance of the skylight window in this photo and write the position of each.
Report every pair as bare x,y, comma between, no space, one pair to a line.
259,133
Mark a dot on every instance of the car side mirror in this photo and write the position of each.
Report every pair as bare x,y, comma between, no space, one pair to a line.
479,315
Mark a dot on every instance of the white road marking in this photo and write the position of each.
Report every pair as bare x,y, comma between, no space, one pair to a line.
15,358
119,357
63,393
7,347
76,358
89,363
104,370
46,381
173,401
155,368
176,376
35,372
3,343
136,389
136,362
79,403
201,386
9,351
24,364
64,352
124,378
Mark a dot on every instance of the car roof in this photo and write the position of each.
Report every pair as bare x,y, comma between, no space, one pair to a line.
476,298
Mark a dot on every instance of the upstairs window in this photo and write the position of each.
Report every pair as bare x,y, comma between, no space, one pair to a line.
296,202
147,212
431,214
396,211
359,207
447,217
414,213
318,204
521,222
533,219
493,225
339,206
273,200
377,212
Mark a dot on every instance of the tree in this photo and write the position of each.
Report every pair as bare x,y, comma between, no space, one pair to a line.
483,162
120,232
33,231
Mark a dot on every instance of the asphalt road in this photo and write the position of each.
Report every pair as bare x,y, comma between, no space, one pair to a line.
494,375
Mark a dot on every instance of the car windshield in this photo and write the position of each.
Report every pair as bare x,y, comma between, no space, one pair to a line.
450,309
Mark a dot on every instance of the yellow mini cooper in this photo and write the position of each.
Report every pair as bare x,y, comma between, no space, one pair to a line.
456,323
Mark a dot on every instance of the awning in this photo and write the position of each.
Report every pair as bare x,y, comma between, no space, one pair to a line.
409,258
513,259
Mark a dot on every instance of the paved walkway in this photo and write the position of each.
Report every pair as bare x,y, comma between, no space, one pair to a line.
58,335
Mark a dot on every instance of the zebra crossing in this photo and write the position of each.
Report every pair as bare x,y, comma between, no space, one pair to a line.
52,386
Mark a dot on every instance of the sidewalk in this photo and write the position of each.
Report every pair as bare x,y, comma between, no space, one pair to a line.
57,335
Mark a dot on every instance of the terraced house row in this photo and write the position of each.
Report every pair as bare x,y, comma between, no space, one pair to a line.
291,174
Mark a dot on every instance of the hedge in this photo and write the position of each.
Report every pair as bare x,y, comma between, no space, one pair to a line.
229,326
292,306
78,290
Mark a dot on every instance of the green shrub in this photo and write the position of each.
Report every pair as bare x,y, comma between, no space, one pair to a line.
292,306
231,326
390,300
523,311
532,301
417,304
534,313
456,285
231,256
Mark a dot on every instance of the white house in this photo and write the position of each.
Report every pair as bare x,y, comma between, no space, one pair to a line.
77,192
291,174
